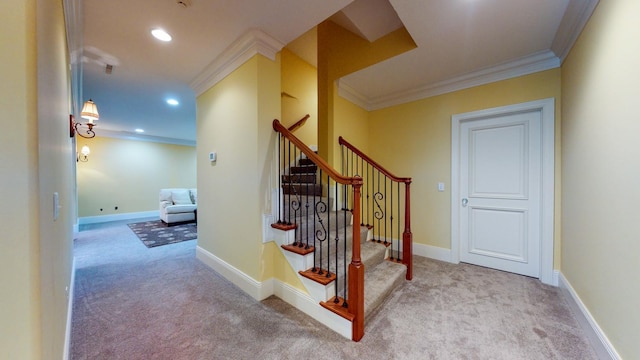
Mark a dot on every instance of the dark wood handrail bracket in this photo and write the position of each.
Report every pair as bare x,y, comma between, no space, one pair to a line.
299,123
345,180
379,167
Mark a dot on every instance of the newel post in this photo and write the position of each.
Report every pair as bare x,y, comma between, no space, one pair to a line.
407,236
356,274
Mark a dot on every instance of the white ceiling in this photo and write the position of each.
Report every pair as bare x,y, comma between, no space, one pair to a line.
460,43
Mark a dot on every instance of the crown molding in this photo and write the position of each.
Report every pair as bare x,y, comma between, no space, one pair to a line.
351,94
536,62
574,20
244,48
124,135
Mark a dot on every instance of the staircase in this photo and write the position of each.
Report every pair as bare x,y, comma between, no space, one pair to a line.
316,235
301,191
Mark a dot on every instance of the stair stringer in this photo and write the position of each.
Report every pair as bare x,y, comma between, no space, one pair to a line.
309,303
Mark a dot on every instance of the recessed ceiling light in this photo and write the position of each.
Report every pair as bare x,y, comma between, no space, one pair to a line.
172,102
139,130
161,35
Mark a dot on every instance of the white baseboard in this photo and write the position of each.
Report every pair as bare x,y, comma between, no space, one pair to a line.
255,289
262,290
601,344
67,333
432,252
309,306
117,217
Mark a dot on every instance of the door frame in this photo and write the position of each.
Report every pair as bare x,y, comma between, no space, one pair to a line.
546,107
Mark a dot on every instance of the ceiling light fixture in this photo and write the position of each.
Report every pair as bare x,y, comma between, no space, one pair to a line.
89,112
161,34
173,102
139,130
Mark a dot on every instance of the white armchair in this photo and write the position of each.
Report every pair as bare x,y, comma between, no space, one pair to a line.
178,205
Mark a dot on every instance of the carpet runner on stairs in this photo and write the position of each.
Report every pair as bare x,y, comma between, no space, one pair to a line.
307,205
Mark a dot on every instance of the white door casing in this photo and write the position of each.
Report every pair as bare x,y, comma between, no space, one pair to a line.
503,167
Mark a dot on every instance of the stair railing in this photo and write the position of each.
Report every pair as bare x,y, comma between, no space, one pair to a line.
299,123
381,203
320,225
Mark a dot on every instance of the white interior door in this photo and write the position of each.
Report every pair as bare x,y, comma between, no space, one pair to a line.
498,217
500,193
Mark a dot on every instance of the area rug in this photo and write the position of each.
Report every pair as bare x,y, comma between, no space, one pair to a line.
156,233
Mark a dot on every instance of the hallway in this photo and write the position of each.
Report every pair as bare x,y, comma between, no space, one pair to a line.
132,302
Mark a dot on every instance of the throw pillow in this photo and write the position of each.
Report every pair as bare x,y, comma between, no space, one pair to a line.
194,195
181,197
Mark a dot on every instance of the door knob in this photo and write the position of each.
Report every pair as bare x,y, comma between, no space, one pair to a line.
465,201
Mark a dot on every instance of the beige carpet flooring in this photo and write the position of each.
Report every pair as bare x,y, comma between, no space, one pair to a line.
132,302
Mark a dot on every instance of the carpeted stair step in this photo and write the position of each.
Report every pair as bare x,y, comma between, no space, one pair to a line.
314,231
379,282
370,253
305,161
305,169
302,189
300,178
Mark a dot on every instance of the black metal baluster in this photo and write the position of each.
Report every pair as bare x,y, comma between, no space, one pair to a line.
378,214
287,161
362,164
369,188
320,234
279,179
314,209
344,263
385,211
391,220
297,202
328,224
336,282
306,197
399,257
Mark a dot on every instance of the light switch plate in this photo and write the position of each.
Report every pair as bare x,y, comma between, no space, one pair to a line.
440,187
56,206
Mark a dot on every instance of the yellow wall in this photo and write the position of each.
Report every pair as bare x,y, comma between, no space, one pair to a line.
228,122
341,52
20,301
352,123
129,174
55,172
35,161
300,80
414,140
601,174
234,119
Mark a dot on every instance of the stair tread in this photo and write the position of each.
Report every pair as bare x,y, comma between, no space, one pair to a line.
380,282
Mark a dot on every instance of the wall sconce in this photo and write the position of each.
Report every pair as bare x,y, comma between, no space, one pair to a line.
84,154
89,112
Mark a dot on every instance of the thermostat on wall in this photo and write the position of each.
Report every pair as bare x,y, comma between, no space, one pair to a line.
212,156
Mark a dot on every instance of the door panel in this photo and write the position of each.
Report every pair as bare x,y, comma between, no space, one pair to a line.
499,161
500,180
510,243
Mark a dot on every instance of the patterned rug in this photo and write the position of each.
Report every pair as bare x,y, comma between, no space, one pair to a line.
156,233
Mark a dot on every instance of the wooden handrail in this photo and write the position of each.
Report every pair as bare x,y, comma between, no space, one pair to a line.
299,123
355,276
379,167
407,236
339,178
